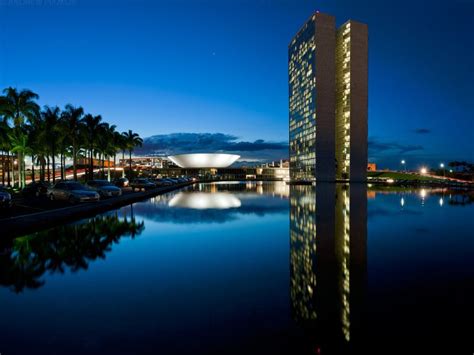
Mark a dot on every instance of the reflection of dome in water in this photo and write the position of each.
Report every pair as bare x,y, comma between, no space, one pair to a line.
201,160
204,200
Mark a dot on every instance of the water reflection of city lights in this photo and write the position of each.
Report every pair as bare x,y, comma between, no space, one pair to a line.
441,202
204,200
402,202
423,193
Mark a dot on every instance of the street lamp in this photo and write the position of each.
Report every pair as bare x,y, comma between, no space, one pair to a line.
442,167
403,164
423,171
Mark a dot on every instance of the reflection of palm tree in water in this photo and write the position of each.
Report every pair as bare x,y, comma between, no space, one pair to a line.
71,247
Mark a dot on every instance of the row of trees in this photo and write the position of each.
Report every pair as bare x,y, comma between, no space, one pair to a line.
51,135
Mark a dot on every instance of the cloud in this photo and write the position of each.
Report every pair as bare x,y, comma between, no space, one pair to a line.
179,143
376,146
422,131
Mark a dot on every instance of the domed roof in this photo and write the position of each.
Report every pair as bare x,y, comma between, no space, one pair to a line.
204,160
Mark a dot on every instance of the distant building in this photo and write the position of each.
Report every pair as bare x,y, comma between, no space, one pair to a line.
210,166
371,167
204,160
146,162
328,100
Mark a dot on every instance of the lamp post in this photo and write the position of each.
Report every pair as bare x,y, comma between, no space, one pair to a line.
403,165
442,167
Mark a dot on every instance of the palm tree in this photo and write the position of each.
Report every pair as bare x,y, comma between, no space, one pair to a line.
92,127
118,143
72,117
64,142
5,147
20,145
103,144
51,117
19,106
132,140
111,148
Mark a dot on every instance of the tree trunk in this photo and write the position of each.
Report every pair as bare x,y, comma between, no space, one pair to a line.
9,168
115,165
74,161
123,163
91,165
19,169
53,157
102,163
47,167
130,164
33,168
23,171
61,166
43,169
3,169
108,168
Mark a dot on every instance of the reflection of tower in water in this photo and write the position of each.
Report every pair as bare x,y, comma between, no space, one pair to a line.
328,228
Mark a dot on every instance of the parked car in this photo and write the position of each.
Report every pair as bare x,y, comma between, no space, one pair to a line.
121,182
5,198
73,192
104,188
169,181
163,182
36,189
140,184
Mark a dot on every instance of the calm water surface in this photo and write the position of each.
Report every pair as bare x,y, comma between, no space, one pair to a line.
248,268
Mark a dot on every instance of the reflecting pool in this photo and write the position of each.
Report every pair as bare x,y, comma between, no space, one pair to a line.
248,268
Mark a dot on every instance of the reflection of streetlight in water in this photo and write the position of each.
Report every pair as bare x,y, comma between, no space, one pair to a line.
423,196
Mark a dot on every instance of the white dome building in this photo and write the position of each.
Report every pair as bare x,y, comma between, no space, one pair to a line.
204,160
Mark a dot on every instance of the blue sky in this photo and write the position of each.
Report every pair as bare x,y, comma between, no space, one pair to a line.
207,66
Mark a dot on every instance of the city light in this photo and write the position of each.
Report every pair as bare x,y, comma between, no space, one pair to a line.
423,171
441,165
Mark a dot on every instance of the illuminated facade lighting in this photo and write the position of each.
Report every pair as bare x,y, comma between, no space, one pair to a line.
312,100
351,101
328,100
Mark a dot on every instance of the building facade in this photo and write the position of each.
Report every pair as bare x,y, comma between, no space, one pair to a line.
311,67
351,101
328,100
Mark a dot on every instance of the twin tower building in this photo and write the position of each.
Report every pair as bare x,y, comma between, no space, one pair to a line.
328,97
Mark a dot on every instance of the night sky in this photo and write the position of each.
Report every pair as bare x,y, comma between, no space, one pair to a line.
220,66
